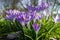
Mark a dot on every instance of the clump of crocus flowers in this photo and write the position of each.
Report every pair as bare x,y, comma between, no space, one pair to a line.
20,16
38,8
27,16
33,14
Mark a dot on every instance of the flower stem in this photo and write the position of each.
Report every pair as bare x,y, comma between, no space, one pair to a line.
36,35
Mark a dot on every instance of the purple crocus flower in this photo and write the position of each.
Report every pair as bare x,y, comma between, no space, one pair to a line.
36,27
42,6
10,17
26,17
31,8
38,8
11,14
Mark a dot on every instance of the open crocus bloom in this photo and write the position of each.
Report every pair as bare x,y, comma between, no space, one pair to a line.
11,14
20,16
26,17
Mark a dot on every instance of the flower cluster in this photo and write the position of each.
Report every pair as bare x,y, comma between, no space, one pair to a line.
11,14
26,17
38,8
35,23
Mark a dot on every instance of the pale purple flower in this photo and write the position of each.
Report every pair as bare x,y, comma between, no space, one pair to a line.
36,27
11,14
10,17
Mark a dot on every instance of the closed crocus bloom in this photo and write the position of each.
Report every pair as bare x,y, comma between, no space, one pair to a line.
36,26
57,18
